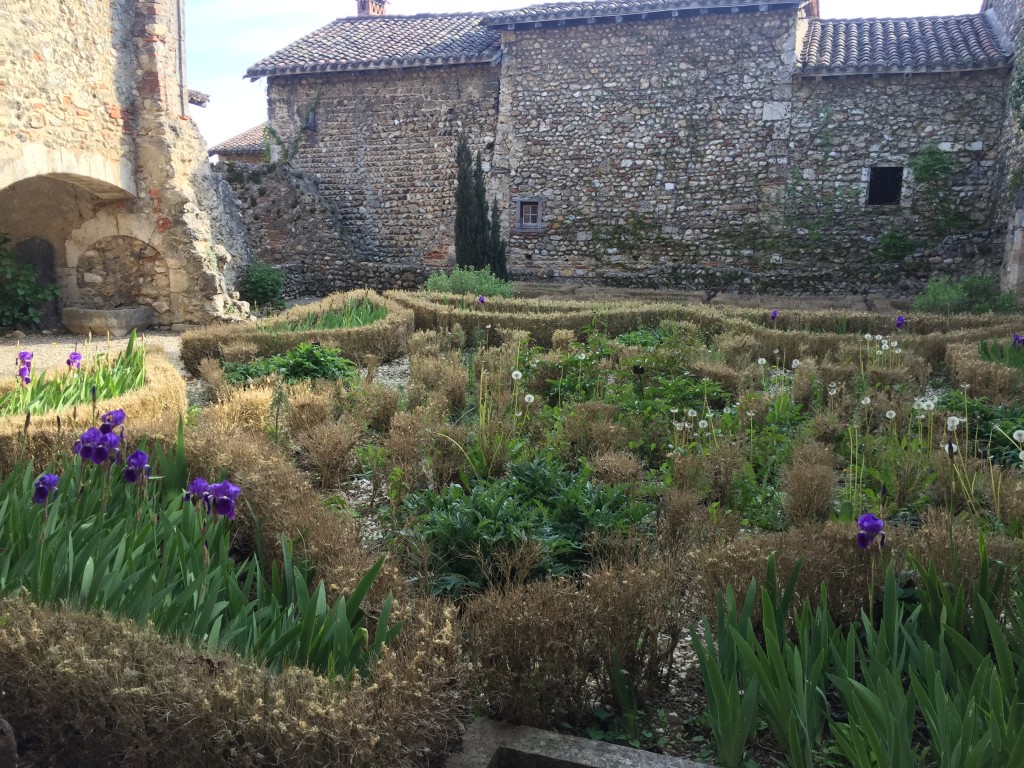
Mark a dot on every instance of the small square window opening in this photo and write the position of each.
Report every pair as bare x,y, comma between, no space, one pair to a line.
529,214
885,185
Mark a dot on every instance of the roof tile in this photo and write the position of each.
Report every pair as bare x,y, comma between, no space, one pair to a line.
901,45
379,42
250,142
605,8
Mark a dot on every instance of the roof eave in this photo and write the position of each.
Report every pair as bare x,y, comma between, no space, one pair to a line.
371,66
855,71
512,22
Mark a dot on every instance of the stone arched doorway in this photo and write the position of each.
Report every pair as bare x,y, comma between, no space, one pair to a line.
123,271
39,254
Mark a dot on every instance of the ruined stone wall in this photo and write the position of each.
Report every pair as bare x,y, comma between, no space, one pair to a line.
676,152
292,226
1010,15
96,143
382,147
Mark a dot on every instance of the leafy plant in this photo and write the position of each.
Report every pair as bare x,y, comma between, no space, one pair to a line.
140,550
895,245
467,526
944,296
22,298
306,361
1004,354
352,314
935,199
478,282
262,285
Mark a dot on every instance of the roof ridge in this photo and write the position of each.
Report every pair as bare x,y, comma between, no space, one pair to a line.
902,18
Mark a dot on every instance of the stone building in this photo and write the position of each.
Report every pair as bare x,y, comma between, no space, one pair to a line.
104,183
247,147
711,144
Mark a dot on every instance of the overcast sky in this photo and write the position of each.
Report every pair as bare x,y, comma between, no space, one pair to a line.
225,37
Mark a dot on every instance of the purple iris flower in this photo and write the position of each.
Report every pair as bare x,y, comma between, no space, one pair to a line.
45,486
136,466
901,322
25,374
75,360
1018,340
97,446
773,315
110,420
25,358
223,496
480,300
870,529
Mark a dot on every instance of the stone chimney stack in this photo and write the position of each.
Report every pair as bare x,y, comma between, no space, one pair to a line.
371,7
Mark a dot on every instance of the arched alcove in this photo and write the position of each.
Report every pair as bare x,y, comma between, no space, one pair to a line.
122,271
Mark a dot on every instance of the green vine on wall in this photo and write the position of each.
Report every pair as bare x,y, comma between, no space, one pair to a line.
307,123
934,197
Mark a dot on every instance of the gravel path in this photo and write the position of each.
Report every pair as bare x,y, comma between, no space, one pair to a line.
50,351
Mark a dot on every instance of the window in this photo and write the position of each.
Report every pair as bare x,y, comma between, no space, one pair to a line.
529,214
885,185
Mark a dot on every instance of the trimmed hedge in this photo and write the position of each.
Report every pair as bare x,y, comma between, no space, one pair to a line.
999,383
91,690
163,392
387,338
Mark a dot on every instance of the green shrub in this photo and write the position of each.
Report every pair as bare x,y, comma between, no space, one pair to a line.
461,281
944,296
540,502
21,296
894,245
306,361
262,285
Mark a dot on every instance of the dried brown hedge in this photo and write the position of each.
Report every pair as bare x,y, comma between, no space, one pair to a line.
90,690
387,338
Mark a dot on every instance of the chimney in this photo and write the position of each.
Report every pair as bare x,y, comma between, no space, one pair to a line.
371,7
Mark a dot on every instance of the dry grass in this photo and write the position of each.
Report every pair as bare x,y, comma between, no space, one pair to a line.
808,482
309,405
1000,383
375,403
543,651
94,691
438,375
618,467
328,449
249,409
590,429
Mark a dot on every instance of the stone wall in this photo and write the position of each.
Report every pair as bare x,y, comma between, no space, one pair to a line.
1010,14
681,152
382,147
96,143
292,226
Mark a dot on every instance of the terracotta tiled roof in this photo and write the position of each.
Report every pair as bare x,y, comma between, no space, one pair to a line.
604,8
250,142
901,45
376,42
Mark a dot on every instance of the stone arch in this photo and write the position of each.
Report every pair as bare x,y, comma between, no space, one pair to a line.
121,271
106,178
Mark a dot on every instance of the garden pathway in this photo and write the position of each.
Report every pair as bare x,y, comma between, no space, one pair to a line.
50,351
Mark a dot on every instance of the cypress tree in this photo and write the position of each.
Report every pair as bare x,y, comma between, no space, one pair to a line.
497,248
468,218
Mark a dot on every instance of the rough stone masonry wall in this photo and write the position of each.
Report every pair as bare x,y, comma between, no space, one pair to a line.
293,227
663,150
1010,14
96,143
840,128
383,150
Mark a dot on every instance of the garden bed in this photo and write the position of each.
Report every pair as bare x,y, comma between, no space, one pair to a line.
385,338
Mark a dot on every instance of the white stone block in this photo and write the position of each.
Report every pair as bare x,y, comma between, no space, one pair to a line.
775,110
